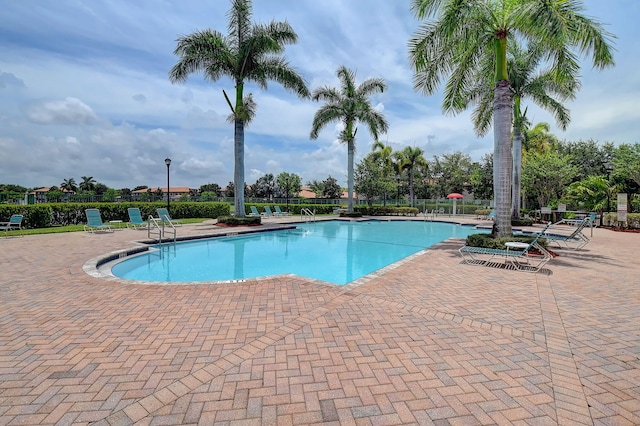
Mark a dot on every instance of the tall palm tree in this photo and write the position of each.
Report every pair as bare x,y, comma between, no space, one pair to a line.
69,185
87,184
547,87
349,105
251,52
413,158
463,33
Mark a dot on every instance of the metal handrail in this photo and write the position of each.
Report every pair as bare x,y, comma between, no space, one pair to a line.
307,214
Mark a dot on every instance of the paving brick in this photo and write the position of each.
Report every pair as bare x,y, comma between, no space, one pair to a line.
430,340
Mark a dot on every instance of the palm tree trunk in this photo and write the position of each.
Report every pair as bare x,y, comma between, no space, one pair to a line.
350,154
411,193
238,174
502,115
517,167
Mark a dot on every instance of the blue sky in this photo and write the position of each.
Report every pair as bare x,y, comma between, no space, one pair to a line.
84,92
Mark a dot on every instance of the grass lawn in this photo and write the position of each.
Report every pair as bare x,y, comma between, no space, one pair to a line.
76,228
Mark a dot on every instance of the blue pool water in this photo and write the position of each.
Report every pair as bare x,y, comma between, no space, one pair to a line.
335,251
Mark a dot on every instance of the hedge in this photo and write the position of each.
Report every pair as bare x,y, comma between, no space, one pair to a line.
487,241
386,210
294,209
60,214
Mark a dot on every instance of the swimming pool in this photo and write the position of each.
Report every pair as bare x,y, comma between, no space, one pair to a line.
335,251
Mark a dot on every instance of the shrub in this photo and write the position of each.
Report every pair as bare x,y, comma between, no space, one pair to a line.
386,210
487,241
350,214
238,221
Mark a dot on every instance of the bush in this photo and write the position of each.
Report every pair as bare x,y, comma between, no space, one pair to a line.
60,214
350,214
611,219
522,222
386,210
294,209
487,241
239,221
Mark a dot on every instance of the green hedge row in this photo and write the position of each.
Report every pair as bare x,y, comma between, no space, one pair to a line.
294,209
386,210
487,241
60,214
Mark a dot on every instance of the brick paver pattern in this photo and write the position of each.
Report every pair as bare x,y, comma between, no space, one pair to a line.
429,341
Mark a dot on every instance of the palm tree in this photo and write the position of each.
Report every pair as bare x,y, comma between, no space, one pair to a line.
412,158
548,88
87,184
69,185
251,52
466,33
349,105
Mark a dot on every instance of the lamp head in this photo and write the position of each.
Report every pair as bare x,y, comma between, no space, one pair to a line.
167,161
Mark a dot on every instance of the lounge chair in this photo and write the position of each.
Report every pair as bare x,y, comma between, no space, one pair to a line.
164,216
254,211
574,240
490,216
279,212
520,256
268,212
14,224
135,219
94,222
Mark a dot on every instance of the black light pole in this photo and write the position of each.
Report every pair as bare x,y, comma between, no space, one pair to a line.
287,190
608,168
167,161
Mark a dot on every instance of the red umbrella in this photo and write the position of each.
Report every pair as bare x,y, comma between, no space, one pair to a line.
455,195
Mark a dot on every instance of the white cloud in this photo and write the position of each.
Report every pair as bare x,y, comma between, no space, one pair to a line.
69,111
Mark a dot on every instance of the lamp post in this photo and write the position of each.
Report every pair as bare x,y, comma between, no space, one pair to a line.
167,161
608,167
286,179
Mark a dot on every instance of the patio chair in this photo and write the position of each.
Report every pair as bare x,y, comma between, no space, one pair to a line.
490,216
520,256
279,212
14,224
135,219
164,216
575,240
254,211
268,212
94,222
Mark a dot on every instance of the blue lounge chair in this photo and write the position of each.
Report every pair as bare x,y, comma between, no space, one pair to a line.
268,212
279,212
94,222
520,256
14,224
254,211
575,240
164,216
135,219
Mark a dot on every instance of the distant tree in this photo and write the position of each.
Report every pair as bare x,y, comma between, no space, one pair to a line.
87,184
412,158
110,195
371,179
482,178
125,194
211,187
317,187
55,195
383,155
230,191
331,189
250,52
100,188
137,188
547,176
586,156
264,187
288,184
591,194
539,139
208,196
69,185
349,105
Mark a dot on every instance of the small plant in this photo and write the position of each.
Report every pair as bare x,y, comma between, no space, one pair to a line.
487,241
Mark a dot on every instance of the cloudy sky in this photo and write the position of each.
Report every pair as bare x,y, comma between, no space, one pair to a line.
84,92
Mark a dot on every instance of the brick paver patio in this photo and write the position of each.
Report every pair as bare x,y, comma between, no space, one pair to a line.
430,341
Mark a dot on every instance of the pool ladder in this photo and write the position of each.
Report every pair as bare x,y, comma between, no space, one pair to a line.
158,227
307,215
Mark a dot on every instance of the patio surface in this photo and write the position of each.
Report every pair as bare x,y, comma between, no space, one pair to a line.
431,341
